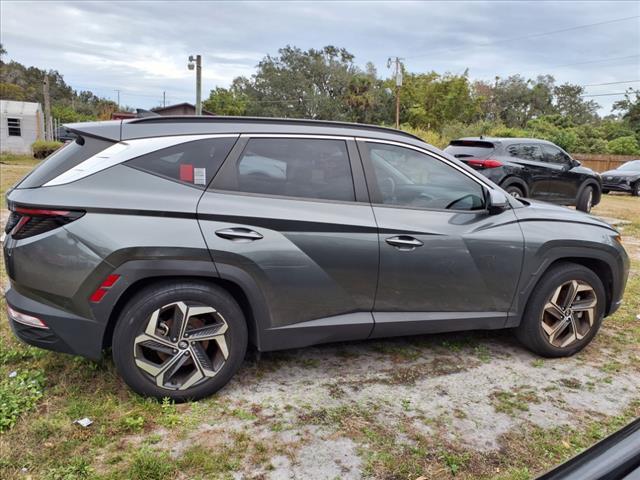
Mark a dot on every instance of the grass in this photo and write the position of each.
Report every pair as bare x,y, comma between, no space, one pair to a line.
13,168
131,436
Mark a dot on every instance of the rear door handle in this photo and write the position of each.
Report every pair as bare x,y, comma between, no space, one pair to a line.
404,242
239,234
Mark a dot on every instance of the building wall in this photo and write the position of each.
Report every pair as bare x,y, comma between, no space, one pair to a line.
31,129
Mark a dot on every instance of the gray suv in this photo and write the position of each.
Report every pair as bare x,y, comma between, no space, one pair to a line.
179,241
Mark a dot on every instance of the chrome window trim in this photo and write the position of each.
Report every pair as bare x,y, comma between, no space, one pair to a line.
126,150
312,136
429,153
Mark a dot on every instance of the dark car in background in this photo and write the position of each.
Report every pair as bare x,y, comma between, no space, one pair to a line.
625,178
528,167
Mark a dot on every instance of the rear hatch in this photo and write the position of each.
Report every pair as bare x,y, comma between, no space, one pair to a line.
475,153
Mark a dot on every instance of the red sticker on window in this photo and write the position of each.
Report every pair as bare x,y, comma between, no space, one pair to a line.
186,172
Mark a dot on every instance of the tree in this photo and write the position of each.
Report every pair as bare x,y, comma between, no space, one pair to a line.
569,102
299,83
9,91
223,101
630,109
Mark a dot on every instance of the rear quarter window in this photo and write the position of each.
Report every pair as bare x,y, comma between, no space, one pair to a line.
192,163
68,156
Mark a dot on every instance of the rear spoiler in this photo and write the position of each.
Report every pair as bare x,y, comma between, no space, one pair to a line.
105,130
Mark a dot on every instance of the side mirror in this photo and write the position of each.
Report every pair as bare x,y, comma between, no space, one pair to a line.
497,201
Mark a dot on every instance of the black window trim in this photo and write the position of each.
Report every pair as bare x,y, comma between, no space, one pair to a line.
373,187
229,169
18,126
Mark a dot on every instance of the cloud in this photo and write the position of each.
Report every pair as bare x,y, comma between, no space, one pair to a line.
141,48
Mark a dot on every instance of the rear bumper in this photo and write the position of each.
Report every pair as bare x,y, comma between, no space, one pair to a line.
67,333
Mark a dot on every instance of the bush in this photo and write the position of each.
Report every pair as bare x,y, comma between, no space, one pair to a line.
429,136
42,148
624,146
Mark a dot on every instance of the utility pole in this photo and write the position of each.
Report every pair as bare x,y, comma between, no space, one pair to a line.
118,91
164,99
48,124
198,66
398,77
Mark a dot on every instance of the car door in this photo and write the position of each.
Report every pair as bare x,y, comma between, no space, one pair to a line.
562,184
535,170
445,262
288,219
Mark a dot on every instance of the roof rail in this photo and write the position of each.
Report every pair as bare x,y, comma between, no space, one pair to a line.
235,119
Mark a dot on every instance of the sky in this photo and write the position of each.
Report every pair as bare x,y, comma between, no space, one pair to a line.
141,47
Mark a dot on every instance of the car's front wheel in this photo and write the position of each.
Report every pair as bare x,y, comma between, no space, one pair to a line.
585,200
564,312
635,191
182,340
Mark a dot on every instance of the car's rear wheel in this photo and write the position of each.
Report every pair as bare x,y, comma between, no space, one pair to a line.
585,200
181,340
635,191
564,312
515,191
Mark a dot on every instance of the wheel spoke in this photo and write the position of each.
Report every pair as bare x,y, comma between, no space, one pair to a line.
572,291
179,320
207,333
155,339
554,310
222,344
202,359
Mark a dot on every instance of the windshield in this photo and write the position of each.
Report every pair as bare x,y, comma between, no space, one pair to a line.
632,166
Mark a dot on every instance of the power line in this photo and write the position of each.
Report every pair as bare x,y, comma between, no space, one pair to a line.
594,61
610,83
522,37
609,94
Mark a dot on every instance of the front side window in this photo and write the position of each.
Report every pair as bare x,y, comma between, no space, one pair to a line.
526,152
555,155
295,167
192,163
409,178
13,125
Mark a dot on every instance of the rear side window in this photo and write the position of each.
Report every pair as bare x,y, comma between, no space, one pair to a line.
470,149
63,159
293,167
526,152
192,163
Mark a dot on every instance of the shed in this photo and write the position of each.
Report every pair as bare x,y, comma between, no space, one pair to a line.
179,109
21,124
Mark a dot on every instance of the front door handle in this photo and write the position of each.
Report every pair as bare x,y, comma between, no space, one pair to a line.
404,242
239,234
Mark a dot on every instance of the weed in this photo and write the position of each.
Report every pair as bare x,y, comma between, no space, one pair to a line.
18,395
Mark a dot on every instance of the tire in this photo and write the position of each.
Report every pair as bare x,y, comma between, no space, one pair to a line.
515,190
635,191
585,200
155,359
536,328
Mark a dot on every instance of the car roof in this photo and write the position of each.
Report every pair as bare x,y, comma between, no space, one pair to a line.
156,126
506,140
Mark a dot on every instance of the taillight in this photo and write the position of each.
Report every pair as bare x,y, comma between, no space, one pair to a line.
26,222
479,163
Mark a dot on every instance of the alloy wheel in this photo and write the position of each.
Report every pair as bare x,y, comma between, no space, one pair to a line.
569,313
182,345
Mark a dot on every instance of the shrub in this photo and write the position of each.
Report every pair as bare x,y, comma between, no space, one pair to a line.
429,136
42,148
624,146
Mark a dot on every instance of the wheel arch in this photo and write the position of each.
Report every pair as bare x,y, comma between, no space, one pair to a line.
138,277
514,180
596,264
597,193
